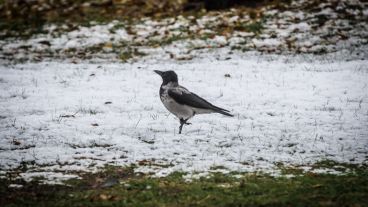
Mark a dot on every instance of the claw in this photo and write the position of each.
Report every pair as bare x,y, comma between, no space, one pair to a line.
182,122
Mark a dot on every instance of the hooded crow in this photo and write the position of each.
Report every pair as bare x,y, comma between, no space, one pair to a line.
181,102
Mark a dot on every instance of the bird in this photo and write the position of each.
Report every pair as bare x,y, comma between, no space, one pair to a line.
183,103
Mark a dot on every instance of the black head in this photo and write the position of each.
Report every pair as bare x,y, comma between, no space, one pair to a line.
167,76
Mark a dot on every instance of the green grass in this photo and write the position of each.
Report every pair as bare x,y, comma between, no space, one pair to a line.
132,189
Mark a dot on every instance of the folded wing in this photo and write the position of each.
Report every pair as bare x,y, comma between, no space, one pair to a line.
185,97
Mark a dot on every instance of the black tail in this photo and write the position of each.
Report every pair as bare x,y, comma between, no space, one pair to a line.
222,111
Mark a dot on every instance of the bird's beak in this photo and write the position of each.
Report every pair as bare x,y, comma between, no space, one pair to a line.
159,72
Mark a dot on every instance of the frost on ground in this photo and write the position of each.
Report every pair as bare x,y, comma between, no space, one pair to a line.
65,117
304,26
296,79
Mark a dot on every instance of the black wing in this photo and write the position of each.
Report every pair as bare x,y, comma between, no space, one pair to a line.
185,97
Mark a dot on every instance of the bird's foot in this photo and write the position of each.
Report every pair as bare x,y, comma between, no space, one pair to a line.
182,123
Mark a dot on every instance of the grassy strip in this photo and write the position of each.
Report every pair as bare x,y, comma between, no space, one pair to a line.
122,187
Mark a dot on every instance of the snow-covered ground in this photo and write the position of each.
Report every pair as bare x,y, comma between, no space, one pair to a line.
66,117
298,88
302,27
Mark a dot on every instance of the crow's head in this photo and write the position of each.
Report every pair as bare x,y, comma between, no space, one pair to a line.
167,76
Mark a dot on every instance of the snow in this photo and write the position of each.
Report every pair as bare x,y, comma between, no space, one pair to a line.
65,112
51,177
89,36
294,110
266,42
300,27
15,186
365,12
328,12
78,38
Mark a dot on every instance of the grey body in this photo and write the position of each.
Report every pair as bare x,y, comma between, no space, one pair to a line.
181,111
181,102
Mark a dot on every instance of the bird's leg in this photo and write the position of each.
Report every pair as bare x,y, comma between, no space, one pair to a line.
182,122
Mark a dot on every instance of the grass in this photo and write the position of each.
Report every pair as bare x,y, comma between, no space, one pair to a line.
255,27
132,189
129,53
21,27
